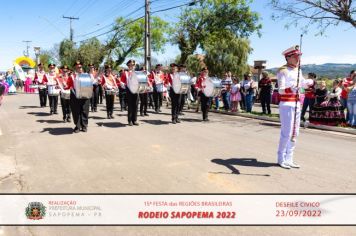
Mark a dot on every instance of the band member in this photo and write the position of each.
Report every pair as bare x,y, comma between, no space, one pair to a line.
95,98
132,98
157,77
109,85
80,107
65,99
50,79
205,101
289,88
144,98
42,90
175,98
122,95
184,96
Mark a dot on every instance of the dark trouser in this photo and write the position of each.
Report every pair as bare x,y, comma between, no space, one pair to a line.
143,103
150,100
182,102
65,108
43,97
95,98
205,104
157,99
53,103
109,99
80,111
175,100
132,106
243,101
122,98
308,102
225,98
266,102
101,94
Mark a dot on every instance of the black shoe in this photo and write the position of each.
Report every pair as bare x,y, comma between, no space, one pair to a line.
178,120
56,112
206,119
111,116
135,123
68,120
182,114
95,109
84,129
76,130
146,114
159,110
174,122
141,114
130,123
64,119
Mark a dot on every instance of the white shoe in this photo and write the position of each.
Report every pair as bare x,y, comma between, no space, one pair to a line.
293,165
284,166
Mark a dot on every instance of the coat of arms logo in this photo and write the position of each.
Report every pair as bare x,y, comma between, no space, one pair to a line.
35,211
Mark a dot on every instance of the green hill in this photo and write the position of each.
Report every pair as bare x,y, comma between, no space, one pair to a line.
328,70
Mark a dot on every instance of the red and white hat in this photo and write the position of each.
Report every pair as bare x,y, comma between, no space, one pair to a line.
292,51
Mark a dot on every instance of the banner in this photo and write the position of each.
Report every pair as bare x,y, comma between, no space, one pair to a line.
177,209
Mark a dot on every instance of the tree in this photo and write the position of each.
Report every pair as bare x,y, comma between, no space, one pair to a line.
322,13
213,17
68,53
128,40
227,53
91,51
194,64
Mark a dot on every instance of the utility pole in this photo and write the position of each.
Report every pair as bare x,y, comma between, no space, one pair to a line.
147,36
26,53
70,23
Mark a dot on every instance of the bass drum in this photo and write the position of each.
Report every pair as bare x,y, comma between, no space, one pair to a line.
213,87
181,83
52,90
138,82
83,86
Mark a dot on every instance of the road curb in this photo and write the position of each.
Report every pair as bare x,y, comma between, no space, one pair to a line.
275,120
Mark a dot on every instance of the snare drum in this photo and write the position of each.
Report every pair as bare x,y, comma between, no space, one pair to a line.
33,86
138,83
65,94
213,87
181,83
83,86
52,90
42,86
160,88
110,92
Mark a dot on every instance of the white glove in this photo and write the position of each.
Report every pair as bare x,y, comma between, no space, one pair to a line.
296,89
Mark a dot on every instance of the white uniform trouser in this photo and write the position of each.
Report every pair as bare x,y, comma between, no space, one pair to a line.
286,146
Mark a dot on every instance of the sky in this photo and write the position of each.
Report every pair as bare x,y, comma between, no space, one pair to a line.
42,23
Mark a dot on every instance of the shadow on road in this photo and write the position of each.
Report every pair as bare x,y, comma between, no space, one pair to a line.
232,162
191,120
156,122
28,107
270,124
97,118
39,113
50,121
111,124
58,131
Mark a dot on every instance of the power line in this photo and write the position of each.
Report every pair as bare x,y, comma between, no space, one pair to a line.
70,25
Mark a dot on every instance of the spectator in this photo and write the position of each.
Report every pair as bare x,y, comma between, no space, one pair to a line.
265,93
330,111
225,93
351,103
235,95
309,97
346,82
250,90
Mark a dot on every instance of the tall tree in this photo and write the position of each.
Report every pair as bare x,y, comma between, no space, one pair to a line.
68,53
91,51
227,53
194,64
316,12
128,39
213,17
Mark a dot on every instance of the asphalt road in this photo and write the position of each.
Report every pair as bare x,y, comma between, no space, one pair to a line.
39,154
